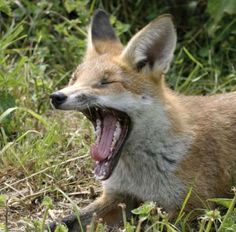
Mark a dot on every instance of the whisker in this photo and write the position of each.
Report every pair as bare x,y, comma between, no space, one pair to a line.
89,110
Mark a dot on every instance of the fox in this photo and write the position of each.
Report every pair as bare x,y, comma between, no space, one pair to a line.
152,143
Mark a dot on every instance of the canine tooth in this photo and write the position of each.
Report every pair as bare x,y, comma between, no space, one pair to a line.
116,135
98,123
98,129
113,143
117,131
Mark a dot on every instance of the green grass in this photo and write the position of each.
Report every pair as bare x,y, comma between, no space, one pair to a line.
46,153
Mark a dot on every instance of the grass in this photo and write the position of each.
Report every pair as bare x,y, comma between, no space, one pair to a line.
45,153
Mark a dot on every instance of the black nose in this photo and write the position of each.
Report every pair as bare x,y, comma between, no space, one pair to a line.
58,98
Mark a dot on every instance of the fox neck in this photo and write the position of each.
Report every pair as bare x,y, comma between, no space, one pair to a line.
159,127
159,131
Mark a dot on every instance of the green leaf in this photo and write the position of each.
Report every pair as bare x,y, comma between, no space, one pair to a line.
37,116
47,202
230,7
6,113
217,8
144,209
5,7
129,227
70,5
37,224
222,201
61,228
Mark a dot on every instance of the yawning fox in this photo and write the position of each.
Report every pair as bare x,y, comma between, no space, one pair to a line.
152,144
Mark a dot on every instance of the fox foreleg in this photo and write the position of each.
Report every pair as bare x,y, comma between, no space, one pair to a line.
105,207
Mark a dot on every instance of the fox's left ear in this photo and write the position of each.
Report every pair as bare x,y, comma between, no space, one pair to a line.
101,36
152,48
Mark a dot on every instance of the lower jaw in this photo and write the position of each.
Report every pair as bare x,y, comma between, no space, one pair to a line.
104,169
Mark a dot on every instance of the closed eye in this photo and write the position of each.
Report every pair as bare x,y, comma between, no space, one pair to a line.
104,82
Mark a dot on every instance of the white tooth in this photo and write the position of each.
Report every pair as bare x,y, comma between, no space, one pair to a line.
112,146
98,123
116,135
98,129
97,162
118,124
109,156
98,177
106,164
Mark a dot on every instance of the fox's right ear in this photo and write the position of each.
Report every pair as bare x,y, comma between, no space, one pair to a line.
152,48
101,36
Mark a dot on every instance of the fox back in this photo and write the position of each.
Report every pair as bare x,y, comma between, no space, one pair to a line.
151,143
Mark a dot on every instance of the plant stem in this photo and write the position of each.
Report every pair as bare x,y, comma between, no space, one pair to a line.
44,220
230,210
209,225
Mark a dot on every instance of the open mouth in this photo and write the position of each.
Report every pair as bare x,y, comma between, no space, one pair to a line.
111,128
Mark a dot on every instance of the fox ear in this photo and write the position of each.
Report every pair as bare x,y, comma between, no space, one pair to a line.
152,48
101,36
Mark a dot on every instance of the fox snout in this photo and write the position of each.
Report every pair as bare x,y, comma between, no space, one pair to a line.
57,98
72,101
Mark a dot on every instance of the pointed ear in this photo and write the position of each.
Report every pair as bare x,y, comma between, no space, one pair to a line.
152,48
101,36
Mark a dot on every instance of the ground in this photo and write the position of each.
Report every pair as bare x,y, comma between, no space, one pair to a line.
25,193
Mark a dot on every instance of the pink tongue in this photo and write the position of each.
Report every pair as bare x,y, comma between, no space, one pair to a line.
101,150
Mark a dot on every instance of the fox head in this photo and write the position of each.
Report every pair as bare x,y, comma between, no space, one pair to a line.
115,85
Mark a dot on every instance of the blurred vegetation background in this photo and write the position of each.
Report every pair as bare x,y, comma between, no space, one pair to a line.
41,43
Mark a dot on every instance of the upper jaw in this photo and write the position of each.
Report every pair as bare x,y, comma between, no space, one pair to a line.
93,112
72,101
